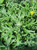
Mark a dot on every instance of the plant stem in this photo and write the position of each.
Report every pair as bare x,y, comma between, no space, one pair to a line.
8,48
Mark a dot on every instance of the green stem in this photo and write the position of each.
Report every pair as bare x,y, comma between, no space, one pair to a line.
8,48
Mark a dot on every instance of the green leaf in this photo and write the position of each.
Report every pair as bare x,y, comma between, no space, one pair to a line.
1,1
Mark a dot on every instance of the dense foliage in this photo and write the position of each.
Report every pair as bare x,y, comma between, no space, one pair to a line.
18,23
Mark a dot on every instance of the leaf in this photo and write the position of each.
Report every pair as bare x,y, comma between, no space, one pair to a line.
1,1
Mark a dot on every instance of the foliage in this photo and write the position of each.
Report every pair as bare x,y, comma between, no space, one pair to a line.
17,25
